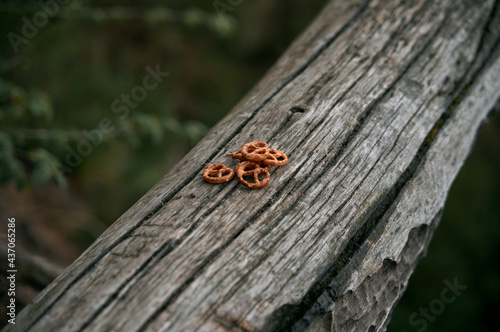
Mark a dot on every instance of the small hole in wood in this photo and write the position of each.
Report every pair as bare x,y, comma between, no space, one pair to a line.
298,109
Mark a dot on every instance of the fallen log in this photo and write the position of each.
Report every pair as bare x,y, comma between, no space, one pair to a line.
377,105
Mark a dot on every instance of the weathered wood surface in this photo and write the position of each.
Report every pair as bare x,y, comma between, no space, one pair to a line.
377,105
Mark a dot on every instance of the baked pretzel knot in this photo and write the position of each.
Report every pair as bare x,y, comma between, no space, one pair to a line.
247,169
255,151
275,158
237,155
256,159
247,173
217,173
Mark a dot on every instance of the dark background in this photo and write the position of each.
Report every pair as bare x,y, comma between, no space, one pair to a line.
65,79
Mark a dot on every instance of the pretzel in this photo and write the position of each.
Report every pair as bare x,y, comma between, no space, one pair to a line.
250,168
255,151
238,155
275,158
217,173
248,173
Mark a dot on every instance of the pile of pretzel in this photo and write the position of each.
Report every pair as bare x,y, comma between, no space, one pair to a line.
256,158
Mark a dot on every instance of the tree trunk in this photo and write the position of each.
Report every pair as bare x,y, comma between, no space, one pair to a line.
376,105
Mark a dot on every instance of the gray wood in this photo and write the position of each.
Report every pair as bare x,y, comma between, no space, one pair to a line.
377,105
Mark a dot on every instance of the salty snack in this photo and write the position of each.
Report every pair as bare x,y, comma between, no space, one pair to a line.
275,158
255,151
248,171
266,167
256,159
218,173
237,155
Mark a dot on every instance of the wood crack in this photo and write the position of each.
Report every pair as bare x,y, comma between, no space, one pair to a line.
414,249
357,128
157,256
291,314
165,247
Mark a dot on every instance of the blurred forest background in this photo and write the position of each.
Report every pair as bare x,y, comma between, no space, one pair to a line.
60,82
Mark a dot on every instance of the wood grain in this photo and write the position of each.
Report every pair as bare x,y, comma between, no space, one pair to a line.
377,105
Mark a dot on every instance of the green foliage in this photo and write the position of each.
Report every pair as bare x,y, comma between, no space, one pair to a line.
46,166
45,112
19,160
31,144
